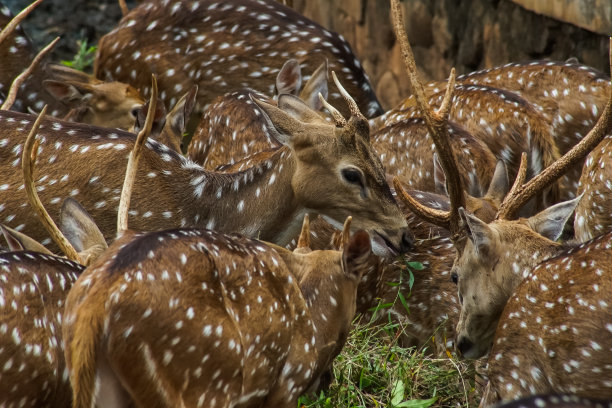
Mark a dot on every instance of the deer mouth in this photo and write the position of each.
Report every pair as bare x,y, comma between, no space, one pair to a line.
381,240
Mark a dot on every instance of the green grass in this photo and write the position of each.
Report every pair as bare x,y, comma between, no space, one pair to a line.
84,58
373,371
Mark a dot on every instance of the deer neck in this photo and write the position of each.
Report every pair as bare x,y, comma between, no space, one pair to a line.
258,202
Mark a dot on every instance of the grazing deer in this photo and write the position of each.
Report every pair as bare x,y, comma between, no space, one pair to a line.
593,213
69,93
323,169
232,127
512,276
222,47
234,322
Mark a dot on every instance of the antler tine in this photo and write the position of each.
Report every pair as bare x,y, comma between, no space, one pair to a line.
346,231
132,166
518,183
348,98
437,217
10,27
437,124
338,118
124,8
525,192
304,239
28,161
20,79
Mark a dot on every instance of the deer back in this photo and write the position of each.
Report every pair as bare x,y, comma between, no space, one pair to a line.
570,95
407,150
554,333
222,47
507,124
33,288
225,293
594,211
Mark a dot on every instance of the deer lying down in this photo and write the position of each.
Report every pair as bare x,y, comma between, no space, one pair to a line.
196,318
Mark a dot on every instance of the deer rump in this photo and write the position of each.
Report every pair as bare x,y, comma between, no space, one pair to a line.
235,323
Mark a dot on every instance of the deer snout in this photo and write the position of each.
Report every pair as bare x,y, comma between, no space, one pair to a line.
466,348
389,243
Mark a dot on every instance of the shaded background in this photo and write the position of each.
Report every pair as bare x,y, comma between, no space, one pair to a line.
466,34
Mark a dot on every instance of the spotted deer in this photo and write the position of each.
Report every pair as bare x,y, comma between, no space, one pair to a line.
223,47
570,95
232,128
543,330
69,93
507,124
234,322
593,213
323,169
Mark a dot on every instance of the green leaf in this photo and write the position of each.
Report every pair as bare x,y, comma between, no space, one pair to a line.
397,393
410,279
417,266
416,403
403,300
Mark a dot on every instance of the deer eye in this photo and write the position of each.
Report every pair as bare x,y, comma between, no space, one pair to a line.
353,176
454,277
134,112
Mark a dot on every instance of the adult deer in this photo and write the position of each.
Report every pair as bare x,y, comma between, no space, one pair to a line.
222,47
322,169
508,276
280,317
69,93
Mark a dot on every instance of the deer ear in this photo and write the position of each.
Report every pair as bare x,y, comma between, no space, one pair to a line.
356,253
550,222
17,241
79,228
315,85
289,78
478,232
297,108
280,124
178,117
499,183
63,91
439,176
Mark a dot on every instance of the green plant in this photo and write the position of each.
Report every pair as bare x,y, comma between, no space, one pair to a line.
84,58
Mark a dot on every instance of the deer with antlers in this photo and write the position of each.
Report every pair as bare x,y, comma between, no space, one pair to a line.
322,169
223,47
69,93
545,329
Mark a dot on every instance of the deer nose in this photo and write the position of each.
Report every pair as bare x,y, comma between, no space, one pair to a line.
464,345
407,241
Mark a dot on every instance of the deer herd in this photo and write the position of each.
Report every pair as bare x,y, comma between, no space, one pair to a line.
145,268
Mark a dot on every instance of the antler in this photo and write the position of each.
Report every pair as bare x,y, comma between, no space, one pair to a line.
124,8
338,118
10,27
437,124
519,195
132,166
20,79
348,98
304,239
341,239
28,161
